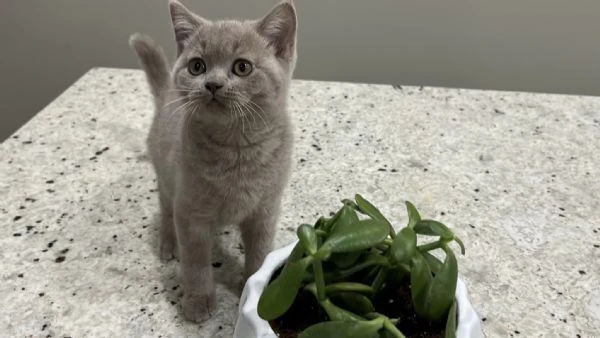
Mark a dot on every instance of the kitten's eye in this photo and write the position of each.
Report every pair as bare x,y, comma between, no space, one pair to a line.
242,68
196,66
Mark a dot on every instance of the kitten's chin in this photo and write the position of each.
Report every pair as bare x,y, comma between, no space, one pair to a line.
215,111
216,103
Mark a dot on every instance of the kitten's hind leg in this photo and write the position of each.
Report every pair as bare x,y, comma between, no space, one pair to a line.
167,237
258,232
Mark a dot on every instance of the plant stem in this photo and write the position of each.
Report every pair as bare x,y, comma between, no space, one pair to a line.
392,231
388,325
319,279
382,247
372,315
380,279
356,268
430,246
405,267
337,275
320,233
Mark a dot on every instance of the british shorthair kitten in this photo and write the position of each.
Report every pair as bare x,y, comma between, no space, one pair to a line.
221,140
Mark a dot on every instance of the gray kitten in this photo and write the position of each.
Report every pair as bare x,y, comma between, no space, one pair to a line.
221,140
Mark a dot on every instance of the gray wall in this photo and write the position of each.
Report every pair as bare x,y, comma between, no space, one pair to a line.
531,45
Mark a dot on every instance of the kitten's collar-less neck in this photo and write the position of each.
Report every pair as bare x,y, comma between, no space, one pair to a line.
241,142
228,137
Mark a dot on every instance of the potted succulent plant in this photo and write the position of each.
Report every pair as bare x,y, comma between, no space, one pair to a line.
352,275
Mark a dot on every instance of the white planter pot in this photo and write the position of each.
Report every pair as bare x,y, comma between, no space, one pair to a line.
250,325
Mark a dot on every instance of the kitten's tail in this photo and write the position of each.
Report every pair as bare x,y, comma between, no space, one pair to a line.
153,61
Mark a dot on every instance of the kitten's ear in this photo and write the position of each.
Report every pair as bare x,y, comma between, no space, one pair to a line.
185,23
279,28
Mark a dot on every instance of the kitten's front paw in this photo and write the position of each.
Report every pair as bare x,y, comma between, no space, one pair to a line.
168,249
198,308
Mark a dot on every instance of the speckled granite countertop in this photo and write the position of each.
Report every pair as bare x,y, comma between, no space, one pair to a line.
515,174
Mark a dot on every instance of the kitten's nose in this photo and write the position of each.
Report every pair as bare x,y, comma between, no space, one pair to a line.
213,87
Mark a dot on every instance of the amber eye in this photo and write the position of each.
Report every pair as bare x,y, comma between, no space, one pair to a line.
242,68
196,66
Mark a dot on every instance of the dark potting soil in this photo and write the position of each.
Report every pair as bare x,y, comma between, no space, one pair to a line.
303,313
392,302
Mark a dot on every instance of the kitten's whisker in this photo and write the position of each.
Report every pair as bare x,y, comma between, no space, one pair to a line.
260,113
177,110
233,123
242,115
238,99
232,97
253,106
250,112
239,117
247,112
188,119
253,117
245,106
175,100
182,90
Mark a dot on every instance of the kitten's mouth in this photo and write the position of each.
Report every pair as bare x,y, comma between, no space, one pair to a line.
215,101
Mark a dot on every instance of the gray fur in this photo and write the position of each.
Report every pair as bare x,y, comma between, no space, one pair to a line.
154,63
224,162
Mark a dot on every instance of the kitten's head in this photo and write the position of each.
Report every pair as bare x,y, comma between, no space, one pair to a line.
228,68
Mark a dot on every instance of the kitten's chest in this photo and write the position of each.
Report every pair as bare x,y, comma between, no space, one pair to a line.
237,172
237,187
237,165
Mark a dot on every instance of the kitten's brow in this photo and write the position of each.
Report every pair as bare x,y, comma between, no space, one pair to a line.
236,46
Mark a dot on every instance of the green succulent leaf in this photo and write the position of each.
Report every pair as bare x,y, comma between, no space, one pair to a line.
296,254
308,238
391,328
344,260
345,216
337,313
413,215
344,329
450,331
350,203
385,334
320,223
460,244
327,223
433,228
340,224
349,286
420,279
404,245
434,263
441,293
353,301
333,311
340,274
355,236
370,210
278,296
